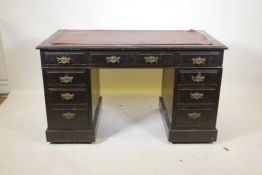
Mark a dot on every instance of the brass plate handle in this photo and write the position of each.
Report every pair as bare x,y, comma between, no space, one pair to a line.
68,116
194,115
63,60
196,96
198,78
66,79
67,96
151,59
113,59
199,60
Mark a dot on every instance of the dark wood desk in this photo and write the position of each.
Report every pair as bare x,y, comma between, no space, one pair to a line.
192,70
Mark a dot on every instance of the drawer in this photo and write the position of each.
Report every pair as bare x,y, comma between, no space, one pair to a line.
64,59
197,96
195,118
109,59
152,60
66,77
199,76
146,59
73,96
200,58
62,118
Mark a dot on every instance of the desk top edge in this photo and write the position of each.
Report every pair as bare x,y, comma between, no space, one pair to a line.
48,45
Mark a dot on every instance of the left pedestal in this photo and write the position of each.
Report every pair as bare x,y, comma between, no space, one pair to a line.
72,96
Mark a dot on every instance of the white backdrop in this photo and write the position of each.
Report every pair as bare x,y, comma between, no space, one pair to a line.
3,73
130,137
236,23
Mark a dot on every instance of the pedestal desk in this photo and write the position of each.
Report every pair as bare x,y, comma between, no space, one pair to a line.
192,68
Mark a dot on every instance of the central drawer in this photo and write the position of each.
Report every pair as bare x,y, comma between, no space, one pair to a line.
152,59
109,58
131,59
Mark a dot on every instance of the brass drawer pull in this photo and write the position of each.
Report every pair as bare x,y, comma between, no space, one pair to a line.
194,115
199,60
151,59
66,79
196,96
63,60
67,96
198,78
68,116
113,59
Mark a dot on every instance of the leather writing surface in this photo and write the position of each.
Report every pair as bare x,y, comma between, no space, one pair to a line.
134,37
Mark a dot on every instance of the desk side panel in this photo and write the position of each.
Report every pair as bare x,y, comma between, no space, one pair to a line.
168,79
95,92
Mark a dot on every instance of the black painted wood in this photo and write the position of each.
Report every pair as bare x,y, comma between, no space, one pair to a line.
95,94
57,121
184,96
77,58
78,76
207,119
132,59
80,96
168,91
213,58
188,77
186,134
187,120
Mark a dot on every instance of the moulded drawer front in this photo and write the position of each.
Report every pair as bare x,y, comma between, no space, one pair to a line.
146,59
195,118
199,76
67,77
152,60
64,59
68,118
200,58
197,96
110,59
73,96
